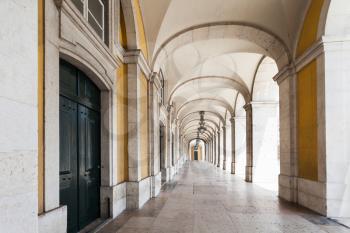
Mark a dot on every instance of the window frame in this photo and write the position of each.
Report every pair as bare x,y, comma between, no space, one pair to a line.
86,16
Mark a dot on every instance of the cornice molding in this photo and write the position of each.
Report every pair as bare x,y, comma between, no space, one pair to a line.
309,55
264,103
286,72
136,57
248,107
155,79
313,52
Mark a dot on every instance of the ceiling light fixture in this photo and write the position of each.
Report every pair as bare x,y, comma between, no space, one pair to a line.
202,127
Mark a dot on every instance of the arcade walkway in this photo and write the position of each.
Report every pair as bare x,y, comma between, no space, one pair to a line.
205,199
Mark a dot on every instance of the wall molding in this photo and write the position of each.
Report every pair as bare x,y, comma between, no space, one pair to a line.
136,57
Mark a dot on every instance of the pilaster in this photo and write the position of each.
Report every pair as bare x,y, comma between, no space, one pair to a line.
224,147
218,148
249,143
233,145
138,189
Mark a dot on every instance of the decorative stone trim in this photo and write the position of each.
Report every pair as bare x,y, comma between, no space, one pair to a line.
286,72
137,57
82,25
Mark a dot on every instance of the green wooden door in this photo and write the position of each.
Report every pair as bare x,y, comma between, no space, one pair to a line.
69,161
89,173
195,155
79,147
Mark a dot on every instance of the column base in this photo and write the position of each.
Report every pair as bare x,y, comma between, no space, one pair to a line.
172,172
233,168
287,187
165,175
249,174
224,165
156,184
138,193
53,221
218,164
113,200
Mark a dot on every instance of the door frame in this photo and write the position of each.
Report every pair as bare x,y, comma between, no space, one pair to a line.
107,120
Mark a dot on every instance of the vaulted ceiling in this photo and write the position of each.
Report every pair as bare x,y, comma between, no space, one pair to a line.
216,56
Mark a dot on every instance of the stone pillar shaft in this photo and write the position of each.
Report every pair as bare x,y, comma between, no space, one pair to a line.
218,147
233,146
249,142
214,151
224,147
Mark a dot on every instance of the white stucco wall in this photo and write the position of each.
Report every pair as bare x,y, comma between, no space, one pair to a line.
18,116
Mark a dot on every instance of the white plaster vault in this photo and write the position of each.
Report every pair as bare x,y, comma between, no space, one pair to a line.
240,69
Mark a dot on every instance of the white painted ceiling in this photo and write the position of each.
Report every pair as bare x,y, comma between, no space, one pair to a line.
214,65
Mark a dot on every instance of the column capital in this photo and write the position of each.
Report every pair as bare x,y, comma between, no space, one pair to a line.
248,107
169,108
58,3
154,79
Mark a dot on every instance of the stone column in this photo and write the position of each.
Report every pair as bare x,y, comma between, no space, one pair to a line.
218,145
153,108
208,148
288,155
214,150
134,148
233,145
224,147
211,150
249,142
169,144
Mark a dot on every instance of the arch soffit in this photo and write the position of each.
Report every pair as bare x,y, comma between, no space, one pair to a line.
236,83
274,46
220,103
216,115
193,136
194,132
192,139
196,126
213,124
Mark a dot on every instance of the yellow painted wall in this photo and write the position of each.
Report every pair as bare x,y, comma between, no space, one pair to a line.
41,37
122,124
308,34
307,122
122,30
144,126
307,97
142,42
122,109
192,152
200,152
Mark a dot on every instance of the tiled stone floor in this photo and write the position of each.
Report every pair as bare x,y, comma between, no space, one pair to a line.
205,199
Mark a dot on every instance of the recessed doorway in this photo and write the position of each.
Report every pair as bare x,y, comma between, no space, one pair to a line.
79,147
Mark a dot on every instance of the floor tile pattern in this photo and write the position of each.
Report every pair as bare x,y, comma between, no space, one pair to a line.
206,199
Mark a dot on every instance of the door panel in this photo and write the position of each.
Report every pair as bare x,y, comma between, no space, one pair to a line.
68,161
89,169
79,147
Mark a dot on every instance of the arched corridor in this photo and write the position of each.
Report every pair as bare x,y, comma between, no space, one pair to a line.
174,116
204,199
